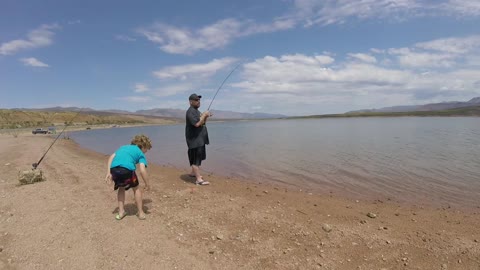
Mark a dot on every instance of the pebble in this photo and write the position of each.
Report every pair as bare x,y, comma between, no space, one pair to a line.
327,228
371,215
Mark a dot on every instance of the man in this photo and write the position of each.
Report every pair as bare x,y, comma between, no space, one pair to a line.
196,135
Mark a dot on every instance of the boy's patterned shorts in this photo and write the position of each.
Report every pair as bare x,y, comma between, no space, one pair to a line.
123,178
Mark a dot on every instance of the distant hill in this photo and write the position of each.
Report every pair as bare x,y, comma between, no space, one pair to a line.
25,118
159,112
425,108
58,116
178,113
463,111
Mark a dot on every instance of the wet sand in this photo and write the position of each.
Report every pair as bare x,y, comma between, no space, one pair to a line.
67,222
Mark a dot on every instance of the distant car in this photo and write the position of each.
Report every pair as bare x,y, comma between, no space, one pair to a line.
39,131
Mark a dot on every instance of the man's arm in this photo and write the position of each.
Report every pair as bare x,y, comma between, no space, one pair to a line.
203,119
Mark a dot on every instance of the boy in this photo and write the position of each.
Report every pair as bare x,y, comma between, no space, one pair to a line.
121,170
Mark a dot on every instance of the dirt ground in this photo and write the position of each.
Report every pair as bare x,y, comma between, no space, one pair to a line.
67,222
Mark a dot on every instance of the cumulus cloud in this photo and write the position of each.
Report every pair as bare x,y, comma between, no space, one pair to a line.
446,52
452,45
40,37
421,73
33,62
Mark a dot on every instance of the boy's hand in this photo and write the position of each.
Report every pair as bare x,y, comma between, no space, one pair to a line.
108,178
147,188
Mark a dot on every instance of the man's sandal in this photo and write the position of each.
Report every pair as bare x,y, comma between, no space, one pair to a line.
202,183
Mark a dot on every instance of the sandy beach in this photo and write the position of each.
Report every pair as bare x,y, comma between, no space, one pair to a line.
67,222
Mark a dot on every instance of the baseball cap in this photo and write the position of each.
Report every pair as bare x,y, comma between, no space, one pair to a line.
194,97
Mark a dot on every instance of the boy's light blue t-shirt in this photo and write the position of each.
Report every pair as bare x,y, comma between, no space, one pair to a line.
128,156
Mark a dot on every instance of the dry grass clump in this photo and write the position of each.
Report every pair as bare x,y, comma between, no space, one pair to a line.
30,177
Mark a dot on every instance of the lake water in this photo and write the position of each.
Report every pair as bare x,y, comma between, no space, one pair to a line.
409,159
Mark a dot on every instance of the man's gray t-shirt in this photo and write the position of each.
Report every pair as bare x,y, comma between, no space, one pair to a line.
196,136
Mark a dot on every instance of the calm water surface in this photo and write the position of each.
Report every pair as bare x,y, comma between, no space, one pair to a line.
411,159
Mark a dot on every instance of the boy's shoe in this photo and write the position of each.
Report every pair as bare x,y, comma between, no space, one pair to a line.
120,217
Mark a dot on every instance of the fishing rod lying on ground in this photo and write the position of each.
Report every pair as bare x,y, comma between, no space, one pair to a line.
222,85
36,164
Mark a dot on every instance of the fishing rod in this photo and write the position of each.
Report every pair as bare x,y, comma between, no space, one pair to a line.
222,85
36,164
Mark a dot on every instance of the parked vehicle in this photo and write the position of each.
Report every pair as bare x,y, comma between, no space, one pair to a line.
39,131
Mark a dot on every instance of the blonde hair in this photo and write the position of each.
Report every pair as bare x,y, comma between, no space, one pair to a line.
142,141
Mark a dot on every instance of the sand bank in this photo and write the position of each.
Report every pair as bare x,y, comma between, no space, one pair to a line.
67,222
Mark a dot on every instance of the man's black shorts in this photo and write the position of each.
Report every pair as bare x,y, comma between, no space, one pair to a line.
196,155
123,178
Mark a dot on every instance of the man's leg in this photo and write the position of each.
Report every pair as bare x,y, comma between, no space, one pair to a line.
196,172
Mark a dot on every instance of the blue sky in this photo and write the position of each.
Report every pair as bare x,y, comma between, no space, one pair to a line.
295,57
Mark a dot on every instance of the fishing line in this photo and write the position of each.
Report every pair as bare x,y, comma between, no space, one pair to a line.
35,165
222,85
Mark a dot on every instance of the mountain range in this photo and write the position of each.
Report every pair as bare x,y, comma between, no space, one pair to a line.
426,107
166,113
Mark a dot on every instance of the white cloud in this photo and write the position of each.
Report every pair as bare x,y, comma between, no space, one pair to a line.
173,89
462,7
338,11
125,38
452,45
440,53
363,57
194,71
33,62
182,40
314,12
407,57
135,99
140,88
72,22
178,40
417,74
39,37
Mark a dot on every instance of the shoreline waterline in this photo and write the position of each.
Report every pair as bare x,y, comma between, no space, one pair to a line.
404,164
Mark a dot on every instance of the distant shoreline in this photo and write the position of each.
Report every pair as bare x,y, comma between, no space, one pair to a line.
473,111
